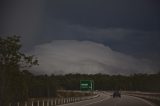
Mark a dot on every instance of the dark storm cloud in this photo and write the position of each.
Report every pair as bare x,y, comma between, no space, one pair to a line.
124,40
131,27
133,14
23,18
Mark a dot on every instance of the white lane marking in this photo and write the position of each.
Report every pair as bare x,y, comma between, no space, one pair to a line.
149,103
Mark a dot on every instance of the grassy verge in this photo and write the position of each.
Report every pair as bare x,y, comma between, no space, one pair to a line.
73,94
156,102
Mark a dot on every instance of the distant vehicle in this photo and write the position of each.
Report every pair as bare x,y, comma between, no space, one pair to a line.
116,94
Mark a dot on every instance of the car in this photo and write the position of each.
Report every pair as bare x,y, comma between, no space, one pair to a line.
116,94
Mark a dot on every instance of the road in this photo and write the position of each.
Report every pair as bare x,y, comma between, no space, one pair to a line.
106,100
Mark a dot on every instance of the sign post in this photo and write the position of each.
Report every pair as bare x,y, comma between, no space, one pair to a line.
86,85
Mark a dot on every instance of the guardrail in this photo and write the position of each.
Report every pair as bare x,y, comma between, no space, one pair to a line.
154,98
151,97
147,95
52,101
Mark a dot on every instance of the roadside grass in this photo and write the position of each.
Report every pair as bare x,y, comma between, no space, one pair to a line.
73,94
156,102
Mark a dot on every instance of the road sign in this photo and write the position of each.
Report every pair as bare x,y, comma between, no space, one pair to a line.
86,85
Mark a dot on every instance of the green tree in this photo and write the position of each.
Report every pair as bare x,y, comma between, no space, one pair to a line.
12,60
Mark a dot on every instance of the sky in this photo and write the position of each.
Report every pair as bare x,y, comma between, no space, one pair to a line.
86,36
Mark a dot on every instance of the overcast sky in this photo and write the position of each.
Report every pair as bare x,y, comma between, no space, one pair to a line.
86,36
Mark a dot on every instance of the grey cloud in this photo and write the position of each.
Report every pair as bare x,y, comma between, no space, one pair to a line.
71,56
130,27
135,14
23,18
65,30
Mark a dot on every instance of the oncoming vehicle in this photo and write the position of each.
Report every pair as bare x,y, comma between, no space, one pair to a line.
116,94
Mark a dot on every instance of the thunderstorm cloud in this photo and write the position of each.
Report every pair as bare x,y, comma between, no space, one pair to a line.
86,57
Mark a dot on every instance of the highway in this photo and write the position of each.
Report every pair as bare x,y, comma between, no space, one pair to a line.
105,99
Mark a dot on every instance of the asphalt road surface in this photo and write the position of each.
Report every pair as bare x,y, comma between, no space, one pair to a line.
106,100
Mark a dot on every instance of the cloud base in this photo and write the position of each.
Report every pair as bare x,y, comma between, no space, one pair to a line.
86,57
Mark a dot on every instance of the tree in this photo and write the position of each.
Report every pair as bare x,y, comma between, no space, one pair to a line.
12,60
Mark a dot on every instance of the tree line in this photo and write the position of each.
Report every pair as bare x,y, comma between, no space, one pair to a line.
136,82
19,84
